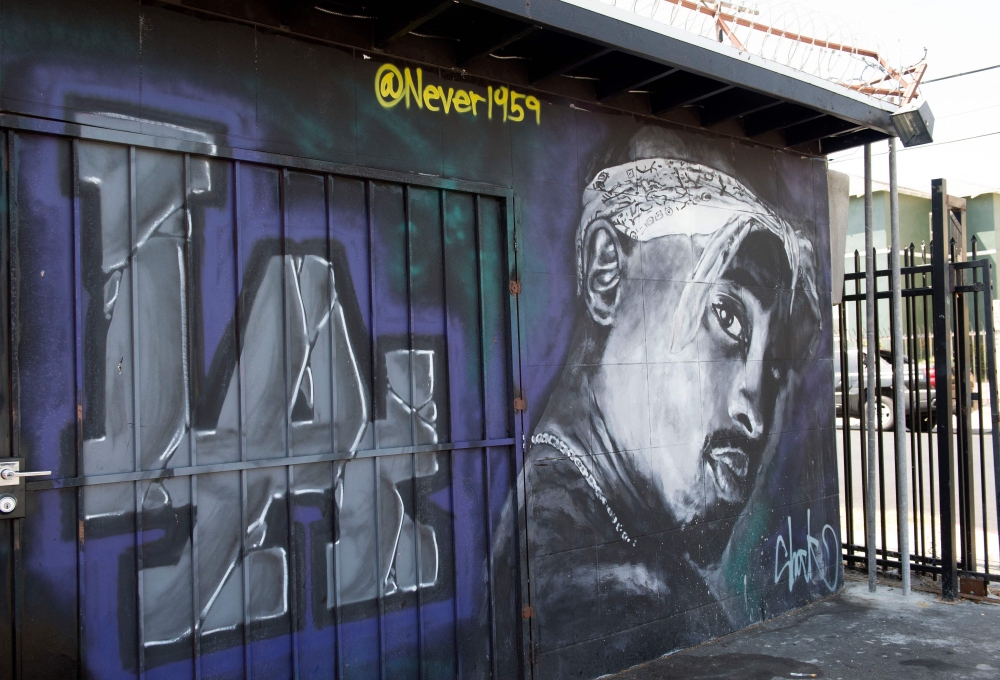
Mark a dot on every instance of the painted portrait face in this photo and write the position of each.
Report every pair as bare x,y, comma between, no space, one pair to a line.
725,415
711,373
689,280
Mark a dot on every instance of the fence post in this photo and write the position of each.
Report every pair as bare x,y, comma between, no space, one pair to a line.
941,282
871,389
994,404
902,481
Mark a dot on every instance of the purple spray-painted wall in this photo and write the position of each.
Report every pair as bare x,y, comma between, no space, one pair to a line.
255,249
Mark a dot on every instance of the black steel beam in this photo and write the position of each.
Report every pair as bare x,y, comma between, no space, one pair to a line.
817,129
828,145
732,104
410,17
482,47
683,88
718,62
620,72
778,118
606,89
576,54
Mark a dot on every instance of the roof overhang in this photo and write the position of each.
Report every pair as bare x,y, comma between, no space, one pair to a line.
594,53
664,44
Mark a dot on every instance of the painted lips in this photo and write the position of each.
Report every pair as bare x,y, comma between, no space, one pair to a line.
729,467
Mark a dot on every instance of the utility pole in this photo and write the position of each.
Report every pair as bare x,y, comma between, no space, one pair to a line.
902,468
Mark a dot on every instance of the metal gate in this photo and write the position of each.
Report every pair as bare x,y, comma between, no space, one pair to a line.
275,396
953,447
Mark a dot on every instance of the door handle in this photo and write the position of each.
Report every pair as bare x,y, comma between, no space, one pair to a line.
8,474
12,492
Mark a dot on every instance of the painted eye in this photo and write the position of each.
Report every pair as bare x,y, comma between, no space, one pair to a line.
731,319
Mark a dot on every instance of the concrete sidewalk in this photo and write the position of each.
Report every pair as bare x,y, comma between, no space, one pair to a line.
851,636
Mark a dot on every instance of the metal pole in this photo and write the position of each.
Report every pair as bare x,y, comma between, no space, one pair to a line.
941,285
902,480
871,390
994,402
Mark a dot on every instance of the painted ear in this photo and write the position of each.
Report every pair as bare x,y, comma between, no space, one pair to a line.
602,273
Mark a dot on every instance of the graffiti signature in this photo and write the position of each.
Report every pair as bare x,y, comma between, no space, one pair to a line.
393,86
817,559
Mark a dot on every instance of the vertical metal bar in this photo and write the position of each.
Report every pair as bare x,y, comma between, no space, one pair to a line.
902,483
957,391
379,576
845,409
932,411
13,222
247,633
442,199
525,640
244,568
192,439
338,633
14,310
413,428
336,468
8,648
292,582
942,360
917,449
369,215
454,559
978,366
906,283
408,278
486,452
863,422
991,370
870,391
914,403
78,331
136,418
963,451
18,530
880,425
195,578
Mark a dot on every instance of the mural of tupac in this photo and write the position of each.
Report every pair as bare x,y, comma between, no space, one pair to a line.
696,302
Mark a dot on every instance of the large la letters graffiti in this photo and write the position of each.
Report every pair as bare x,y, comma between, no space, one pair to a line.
254,397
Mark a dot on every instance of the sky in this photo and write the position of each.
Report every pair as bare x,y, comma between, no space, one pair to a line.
959,36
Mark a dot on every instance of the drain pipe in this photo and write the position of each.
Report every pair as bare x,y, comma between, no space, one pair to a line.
871,390
902,470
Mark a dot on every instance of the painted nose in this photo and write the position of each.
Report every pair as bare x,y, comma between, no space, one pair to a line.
744,405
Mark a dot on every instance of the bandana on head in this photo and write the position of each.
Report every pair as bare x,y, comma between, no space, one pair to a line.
656,197
650,198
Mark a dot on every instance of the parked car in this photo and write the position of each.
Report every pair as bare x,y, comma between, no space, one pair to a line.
885,403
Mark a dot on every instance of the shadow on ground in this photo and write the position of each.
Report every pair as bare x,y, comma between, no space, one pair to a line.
853,635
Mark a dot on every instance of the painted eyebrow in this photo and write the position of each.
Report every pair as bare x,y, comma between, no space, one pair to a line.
765,295
749,277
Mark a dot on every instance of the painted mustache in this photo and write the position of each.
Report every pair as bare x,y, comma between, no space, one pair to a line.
730,466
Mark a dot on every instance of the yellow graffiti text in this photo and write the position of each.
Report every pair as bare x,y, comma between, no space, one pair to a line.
393,86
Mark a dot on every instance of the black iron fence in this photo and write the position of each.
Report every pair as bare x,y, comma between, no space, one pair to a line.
967,468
